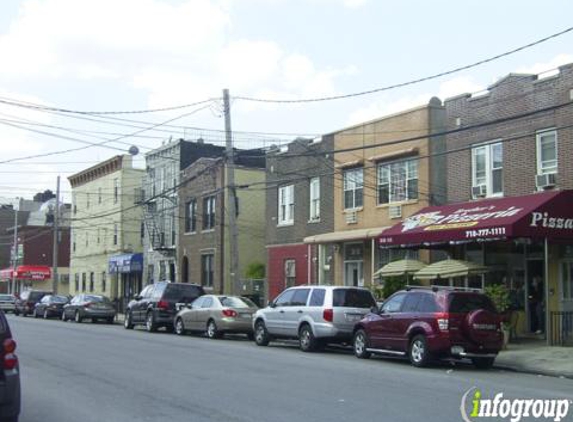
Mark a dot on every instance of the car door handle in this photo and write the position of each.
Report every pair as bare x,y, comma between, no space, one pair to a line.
282,312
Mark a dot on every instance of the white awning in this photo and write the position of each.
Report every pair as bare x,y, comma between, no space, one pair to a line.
346,235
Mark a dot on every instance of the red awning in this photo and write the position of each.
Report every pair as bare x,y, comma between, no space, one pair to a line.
540,215
6,274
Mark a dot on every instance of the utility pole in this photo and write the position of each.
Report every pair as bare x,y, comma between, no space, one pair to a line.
56,240
15,252
231,195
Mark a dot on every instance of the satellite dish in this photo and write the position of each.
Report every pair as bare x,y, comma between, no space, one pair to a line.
133,150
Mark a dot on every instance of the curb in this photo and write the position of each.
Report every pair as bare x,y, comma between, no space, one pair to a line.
530,371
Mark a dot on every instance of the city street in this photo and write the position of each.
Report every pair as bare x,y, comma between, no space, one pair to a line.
97,372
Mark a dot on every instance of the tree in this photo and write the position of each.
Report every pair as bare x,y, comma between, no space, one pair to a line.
255,270
44,196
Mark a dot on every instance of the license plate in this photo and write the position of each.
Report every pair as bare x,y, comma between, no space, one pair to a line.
353,317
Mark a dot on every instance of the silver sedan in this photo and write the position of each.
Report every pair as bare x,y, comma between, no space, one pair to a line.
216,315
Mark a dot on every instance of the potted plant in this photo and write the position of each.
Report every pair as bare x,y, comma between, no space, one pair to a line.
499,295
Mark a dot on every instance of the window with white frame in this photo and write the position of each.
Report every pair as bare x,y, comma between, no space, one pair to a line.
286,204
547,152
207,270
567,280
290,272
353,188
487,168
398,181
314,188
209,213
191,216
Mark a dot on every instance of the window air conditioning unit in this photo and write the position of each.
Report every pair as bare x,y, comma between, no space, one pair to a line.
351,217
395,211
479,191
545,181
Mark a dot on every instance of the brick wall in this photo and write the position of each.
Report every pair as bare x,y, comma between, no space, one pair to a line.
276,266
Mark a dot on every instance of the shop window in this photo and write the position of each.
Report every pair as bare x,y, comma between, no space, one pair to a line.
353,188
398,181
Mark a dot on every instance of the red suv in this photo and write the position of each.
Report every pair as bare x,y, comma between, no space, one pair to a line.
427,323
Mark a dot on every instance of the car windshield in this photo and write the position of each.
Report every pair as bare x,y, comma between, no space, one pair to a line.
37,295
464,303
352,298
98,299
236,302
181,293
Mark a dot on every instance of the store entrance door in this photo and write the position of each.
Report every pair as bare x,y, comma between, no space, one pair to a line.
535,290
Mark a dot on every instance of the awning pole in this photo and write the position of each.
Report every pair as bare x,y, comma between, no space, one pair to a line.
546,267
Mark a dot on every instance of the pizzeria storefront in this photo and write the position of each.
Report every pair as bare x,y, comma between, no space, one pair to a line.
26,277
525,242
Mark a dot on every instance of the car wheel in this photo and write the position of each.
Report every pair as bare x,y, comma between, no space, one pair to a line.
418,351
212,330
262,337
307,340
64,319
360,345
150,324
77,317
45,314
127,321
179,327
483,363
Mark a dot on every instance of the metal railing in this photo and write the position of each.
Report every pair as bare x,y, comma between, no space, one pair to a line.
561,328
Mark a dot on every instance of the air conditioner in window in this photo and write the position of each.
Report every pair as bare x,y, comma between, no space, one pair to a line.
479,191
395,211
545,181
351,217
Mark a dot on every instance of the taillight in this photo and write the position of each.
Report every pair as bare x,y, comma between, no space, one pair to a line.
163,304
231,313
328,315
443,319
10,359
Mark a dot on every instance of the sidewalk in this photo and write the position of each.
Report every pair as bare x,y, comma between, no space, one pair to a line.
537,358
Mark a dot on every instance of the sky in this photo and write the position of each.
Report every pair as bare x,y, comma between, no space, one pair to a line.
140,55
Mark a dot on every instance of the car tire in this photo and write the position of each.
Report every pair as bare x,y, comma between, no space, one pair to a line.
64,318
307,340
179,327
212,330
128,321
418,351
46,316
150,324
262,337
483,363
360,345
77,317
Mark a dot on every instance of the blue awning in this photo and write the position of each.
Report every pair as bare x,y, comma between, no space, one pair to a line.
126,263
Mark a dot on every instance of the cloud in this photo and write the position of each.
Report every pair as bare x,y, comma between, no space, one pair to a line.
354,4
550,66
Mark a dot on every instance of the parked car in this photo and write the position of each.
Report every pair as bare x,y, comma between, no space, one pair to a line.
157,304
217,315
8,303
424,324
9,374
315,315
88,306
50,306
26,303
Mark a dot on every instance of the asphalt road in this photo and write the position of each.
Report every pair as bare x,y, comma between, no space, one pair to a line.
103,373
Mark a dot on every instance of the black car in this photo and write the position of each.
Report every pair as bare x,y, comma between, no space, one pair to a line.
9,374
26,303
158,303
88,306
50,306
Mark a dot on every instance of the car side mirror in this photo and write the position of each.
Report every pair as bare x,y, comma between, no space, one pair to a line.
272,304
375,309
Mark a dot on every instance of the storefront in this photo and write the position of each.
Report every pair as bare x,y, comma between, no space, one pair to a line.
126,270
25,277
524,241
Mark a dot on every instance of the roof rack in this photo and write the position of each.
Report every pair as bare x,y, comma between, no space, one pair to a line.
435,288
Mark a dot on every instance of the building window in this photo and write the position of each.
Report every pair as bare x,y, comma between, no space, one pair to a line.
547,152
398,181
173,231
73,246
99,195
209,213
207,266
92,279
103,281
115,234
314,188
290,272
487,170
83,282
115,190
191,216
286,204
353,188
77,281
